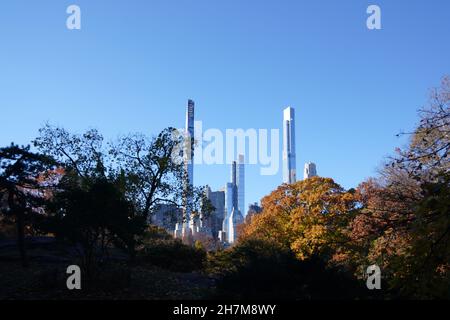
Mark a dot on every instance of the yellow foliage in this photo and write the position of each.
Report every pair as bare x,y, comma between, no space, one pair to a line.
305,216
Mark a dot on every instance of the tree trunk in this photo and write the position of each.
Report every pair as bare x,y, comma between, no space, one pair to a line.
20,223
21,238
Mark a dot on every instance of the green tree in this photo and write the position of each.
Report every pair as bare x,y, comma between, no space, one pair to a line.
155,174
94,216
23,184
149,170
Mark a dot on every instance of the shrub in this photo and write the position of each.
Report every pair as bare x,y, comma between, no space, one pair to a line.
51,278
113,277
259,269
7,229
155,233
173,255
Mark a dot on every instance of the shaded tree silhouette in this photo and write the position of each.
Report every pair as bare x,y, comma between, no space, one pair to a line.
21,183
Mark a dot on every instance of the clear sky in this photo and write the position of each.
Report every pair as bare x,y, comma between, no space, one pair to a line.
134,64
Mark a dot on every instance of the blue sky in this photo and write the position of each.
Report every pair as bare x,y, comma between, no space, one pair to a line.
134,64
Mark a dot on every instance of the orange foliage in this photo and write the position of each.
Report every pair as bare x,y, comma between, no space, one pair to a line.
308,217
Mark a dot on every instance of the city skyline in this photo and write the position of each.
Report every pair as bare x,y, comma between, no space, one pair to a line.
354,89
191,153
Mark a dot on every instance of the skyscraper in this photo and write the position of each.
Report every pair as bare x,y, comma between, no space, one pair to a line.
234,185
229,206
234,191
217,199
254,208
310,170
241,184
289,171
166,216
187,225
189,146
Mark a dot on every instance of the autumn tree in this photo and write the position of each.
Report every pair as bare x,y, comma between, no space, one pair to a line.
427,155
404,225
307,217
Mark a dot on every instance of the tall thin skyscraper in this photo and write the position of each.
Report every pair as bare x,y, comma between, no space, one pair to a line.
234,199
189,154
241,184
238,182
188,224
289,171
229,206
310,170
235,187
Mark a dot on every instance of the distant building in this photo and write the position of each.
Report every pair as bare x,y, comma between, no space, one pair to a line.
222,236
310,170
215,220
186,227
229,204
234,221
254,209
241,183
289,167
189,161
166,216
229,199
234,191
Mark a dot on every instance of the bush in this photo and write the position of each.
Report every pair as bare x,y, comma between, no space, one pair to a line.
173,255
257,269
7,229
155,233
51,278
113,277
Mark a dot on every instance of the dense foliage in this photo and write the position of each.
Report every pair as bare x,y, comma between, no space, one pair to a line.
399,220
264,269
312,240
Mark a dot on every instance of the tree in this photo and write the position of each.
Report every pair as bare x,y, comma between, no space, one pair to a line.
21,184
95,215
404,225
82,155
307,217
428,152
150,170
262,269
405,231
155,173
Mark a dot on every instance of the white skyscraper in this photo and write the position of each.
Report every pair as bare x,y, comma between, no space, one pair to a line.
186,228
289,171
227,222
234,200
310,170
